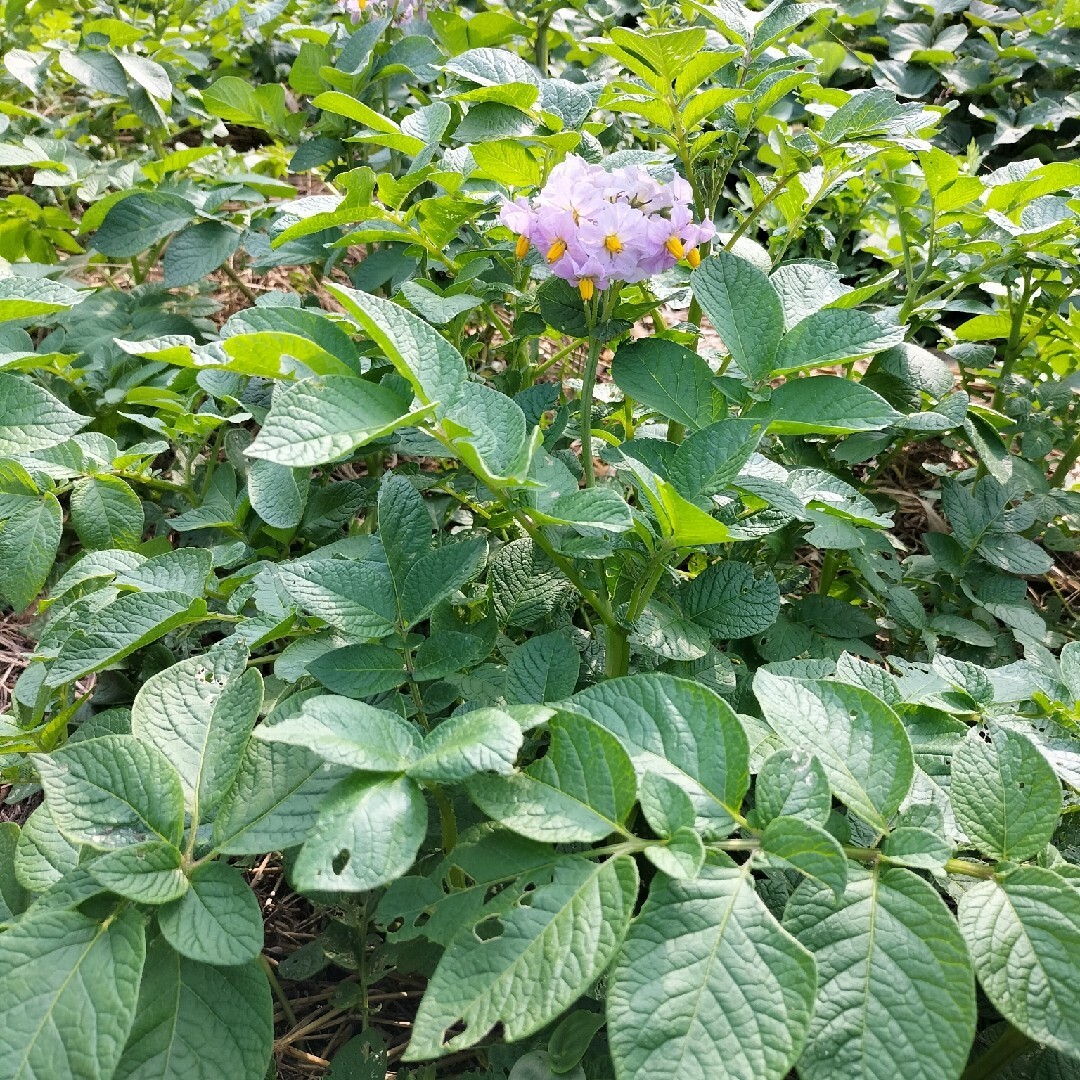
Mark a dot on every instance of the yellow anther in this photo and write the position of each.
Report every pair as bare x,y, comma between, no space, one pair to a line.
521,248
587,288
613,244
675,246
693,257
556,251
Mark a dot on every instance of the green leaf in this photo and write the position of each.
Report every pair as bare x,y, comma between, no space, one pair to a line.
148,873
730,602
669,379
681,731
806,847
548,953
359,671
859,740
483,740
106,513
1005,794
278,494
196,1020
681,856
363,1057
31,418
491,436
916,847
832,336
1024,935
592,511
348,732
270,354
197,251
710,459
543,668
666,806
29,540
791,783
507,161
139,221
43,856
240,102
316,421
434,577
27,297
581,790
825,405
274,800
368,833
894,979
13,896
112,791
199,714
68,987
128,623
355,596
708,985
217,921
744,308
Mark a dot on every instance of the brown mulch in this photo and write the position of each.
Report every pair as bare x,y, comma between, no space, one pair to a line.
15,650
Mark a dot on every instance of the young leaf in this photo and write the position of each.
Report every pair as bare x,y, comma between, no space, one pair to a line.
199,714
581,790
892,972
1023,931
368,833
147,873
217,921
68,988
112,792
1005,794
730,602
106,513
708,985
31,418
681,856
791,783
808,848
198,1020
483,740
681,731
545,956
744,307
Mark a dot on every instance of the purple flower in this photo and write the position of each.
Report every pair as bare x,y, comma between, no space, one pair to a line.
594,227
400,12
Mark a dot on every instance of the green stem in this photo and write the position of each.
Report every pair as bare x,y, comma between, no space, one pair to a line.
676,432
588,382
1064,466
1009,1045
276,990
830,563
1012,347
757,208
616,652
542,27
447,819
234,277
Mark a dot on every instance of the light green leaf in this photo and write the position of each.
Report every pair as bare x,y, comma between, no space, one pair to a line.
744,307
199,714
278,494
139,221
217,921
106,513
196,1021
483,740
43,856
712,458
708,985
833,336
681,856
592,511
1024,935
581,790
148,873
128,623
491,436
682,731
240,102
791,783
29,540
355,596
348,732
729,601
825,405
859,740
507,161
68,988
112,792
31,418
368,833
806,847
1005,794
543,668
669,379
27,298
894,979
549,952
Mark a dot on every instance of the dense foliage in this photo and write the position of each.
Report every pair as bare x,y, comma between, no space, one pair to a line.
593,487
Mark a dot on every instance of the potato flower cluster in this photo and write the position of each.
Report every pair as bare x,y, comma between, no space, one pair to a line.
400,12
595,227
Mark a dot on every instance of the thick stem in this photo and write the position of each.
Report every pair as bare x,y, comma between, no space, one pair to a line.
447,819
1006,1049
542,42
830,563
588,382
616,652
1064,466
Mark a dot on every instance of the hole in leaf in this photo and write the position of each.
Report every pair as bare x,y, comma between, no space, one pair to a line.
488,929
340,861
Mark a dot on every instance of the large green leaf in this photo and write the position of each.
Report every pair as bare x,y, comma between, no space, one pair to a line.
316,421
359,671
682,731
353,595
197,251
148,873
28,298
832,336
825,405
668,379
199,714
858,739
198,1022
549,951
29,540
895,983
139,221
368,833
68,987
708,985
1005,794
31,418
712,458
106,513
744,307
277,493
1024,935
582,789
730,601
217,921
112,791
483,740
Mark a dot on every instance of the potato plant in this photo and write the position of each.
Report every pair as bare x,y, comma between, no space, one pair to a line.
588,492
